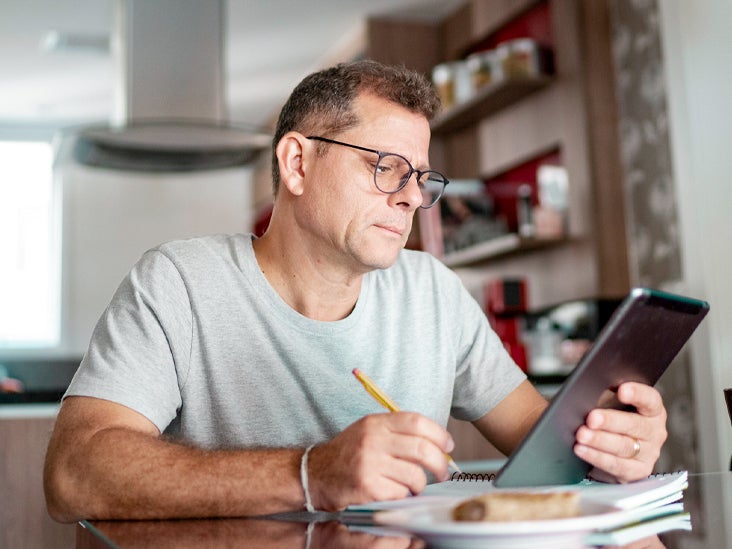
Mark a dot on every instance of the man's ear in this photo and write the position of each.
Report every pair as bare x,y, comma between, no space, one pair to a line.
290,158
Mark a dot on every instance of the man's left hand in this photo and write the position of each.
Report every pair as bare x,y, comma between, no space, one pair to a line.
624,446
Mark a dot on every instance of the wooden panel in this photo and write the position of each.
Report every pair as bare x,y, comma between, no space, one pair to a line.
477,19
489,15
499,247
414,44
24,521
487,101
572,114
463,157
609,203
438,156
553,275
454,38
521,132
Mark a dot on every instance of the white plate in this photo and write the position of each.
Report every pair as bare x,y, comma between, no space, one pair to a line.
434,524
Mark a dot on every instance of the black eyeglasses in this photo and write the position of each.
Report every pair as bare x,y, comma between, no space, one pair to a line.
392,172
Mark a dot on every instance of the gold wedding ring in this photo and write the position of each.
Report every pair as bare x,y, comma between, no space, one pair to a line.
636,448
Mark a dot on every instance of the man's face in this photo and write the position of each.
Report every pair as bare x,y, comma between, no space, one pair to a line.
355,224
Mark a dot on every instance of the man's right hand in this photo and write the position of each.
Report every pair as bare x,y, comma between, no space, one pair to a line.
379,457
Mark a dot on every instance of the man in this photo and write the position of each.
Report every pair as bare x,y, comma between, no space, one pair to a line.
220,360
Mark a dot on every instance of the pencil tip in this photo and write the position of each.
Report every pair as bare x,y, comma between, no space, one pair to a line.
451,463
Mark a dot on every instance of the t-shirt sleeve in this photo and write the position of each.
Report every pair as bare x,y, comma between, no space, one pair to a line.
485,372
139,352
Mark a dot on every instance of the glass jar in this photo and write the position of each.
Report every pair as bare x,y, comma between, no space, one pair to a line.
519,58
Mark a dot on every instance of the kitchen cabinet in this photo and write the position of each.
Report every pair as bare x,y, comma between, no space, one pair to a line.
25,430
570,111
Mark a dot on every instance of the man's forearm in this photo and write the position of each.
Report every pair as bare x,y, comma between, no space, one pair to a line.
124,474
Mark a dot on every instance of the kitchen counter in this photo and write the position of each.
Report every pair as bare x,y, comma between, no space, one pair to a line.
29,411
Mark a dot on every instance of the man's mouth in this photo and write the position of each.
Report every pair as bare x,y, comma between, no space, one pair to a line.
398,230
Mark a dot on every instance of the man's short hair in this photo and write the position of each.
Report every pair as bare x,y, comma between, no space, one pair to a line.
322,102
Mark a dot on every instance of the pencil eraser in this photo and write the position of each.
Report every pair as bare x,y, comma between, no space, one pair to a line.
355,371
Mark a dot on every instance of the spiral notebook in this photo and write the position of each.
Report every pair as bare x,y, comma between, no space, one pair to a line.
655,490
647,495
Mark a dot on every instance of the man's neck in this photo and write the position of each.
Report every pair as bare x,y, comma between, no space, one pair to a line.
311,287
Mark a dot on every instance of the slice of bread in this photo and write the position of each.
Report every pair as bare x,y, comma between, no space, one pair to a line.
514,506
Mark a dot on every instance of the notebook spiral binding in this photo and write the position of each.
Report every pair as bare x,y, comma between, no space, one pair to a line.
661,475
472,477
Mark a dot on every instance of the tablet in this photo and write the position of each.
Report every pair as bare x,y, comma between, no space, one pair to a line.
640,340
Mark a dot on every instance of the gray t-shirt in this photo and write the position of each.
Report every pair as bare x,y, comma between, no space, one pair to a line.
196,340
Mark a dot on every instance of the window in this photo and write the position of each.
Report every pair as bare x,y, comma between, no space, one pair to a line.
30,274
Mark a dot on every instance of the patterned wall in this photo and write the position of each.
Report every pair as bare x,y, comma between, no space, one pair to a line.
651,214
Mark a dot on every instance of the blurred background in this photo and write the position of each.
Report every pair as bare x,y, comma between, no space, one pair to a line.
126,123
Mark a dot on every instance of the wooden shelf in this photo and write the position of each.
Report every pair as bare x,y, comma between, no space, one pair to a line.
487,101
510,122
498,247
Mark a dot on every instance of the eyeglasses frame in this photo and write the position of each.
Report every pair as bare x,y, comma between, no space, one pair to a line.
382,154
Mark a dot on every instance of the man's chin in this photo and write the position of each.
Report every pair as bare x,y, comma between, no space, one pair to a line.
382,259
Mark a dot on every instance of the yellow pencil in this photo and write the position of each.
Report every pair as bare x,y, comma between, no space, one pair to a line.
383,399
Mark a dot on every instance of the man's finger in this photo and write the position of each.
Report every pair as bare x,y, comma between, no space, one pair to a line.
646,399
411,423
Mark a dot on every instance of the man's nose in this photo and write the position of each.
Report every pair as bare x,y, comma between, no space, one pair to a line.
411,193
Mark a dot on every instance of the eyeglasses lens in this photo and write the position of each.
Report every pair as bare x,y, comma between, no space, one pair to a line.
392,173
432,184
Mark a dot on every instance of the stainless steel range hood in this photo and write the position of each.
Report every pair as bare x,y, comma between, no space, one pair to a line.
169,112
